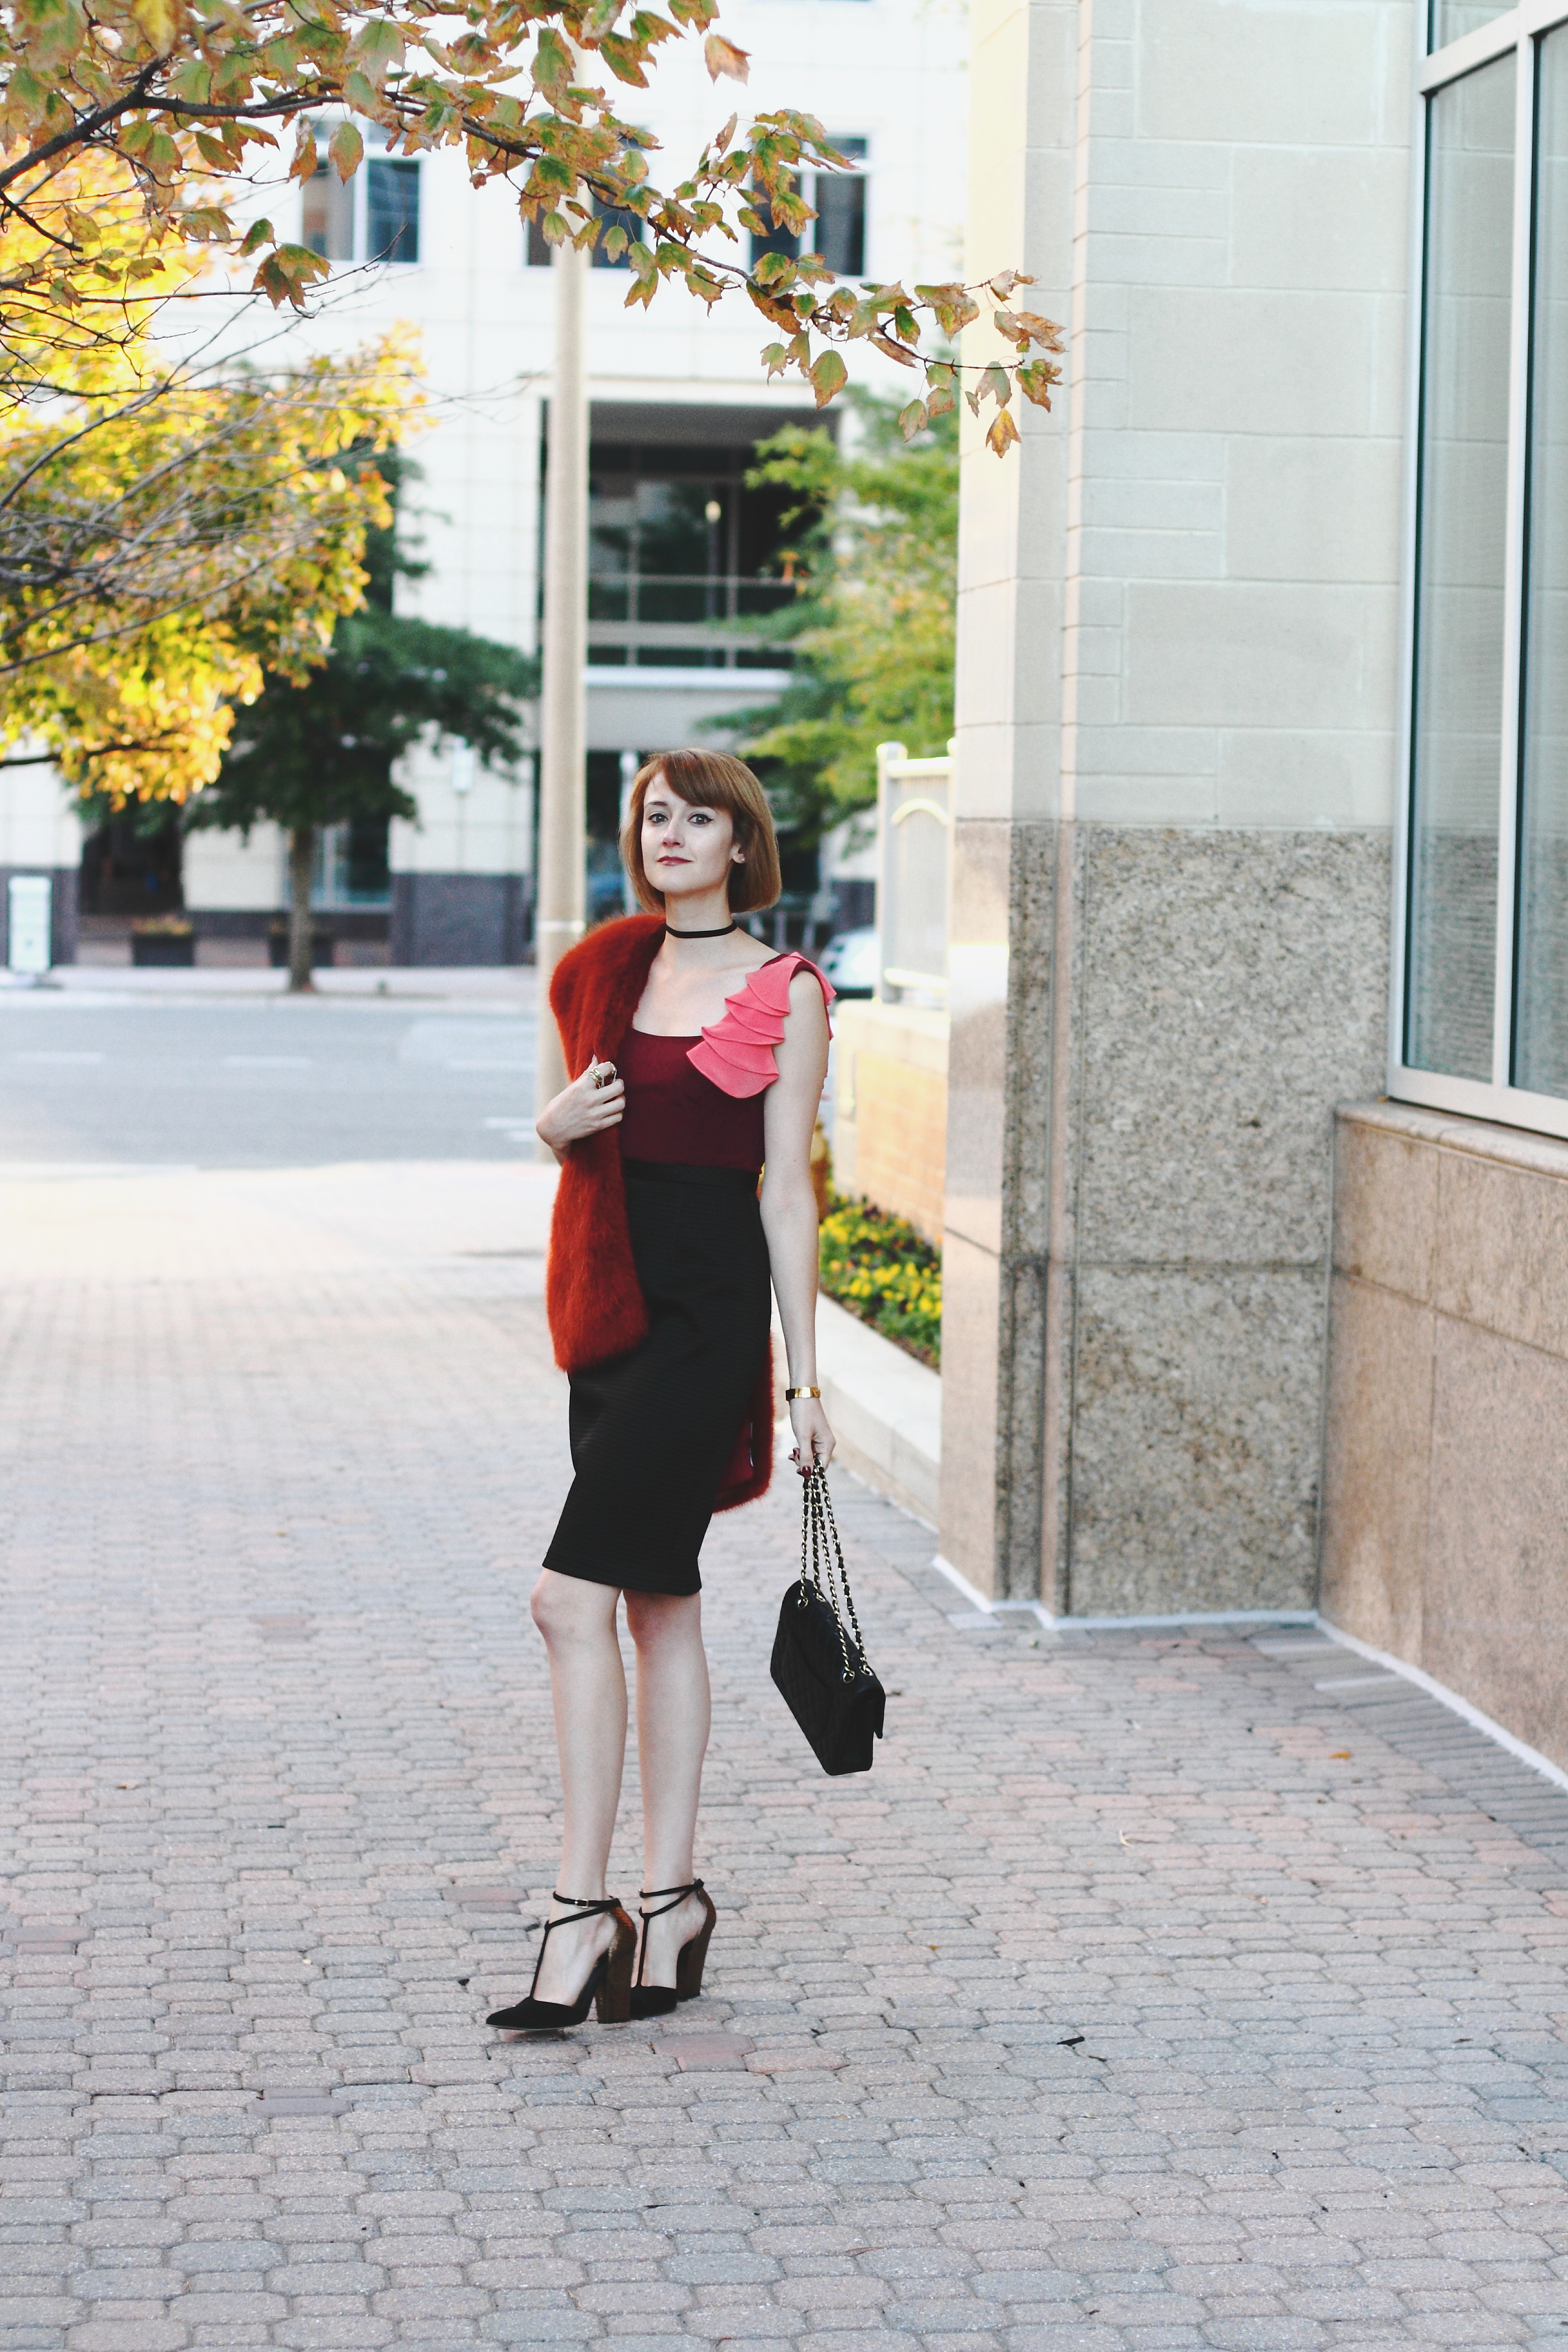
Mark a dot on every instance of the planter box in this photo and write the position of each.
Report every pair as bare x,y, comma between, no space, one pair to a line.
165,948
323,946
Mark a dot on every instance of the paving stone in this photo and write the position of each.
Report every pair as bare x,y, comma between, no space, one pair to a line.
1146,1995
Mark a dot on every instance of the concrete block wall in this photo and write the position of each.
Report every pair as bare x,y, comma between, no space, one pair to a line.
889,1122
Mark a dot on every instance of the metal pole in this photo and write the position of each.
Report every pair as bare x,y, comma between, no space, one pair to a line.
562,790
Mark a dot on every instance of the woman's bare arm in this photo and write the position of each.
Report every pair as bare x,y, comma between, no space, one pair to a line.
789,1202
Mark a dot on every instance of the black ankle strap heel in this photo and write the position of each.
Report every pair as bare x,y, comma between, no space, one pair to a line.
609,1980
657,2001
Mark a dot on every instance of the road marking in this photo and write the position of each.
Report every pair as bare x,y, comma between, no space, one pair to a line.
1358,1682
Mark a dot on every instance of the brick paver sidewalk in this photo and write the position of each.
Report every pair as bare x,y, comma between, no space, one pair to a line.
1144,1995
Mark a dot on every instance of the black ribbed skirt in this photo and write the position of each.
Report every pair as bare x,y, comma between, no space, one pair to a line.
652,1430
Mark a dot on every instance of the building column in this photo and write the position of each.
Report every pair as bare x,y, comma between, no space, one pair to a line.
562,772
1006,805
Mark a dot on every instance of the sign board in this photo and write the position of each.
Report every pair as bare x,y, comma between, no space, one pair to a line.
31,896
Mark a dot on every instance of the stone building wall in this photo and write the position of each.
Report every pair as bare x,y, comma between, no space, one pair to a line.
1177,700
1447,1476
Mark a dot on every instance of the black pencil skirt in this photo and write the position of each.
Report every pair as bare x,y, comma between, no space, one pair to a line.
652,1430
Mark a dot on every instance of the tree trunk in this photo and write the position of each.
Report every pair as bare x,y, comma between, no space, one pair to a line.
301,873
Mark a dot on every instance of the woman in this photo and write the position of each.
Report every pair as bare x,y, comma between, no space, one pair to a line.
660,1259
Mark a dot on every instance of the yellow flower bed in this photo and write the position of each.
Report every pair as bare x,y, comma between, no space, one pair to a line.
883,1270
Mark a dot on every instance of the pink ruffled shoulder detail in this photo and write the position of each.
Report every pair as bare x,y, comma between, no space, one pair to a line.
737,1053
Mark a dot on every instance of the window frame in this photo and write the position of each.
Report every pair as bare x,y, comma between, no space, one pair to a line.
1520,30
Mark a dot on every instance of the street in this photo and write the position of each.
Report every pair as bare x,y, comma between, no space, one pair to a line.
1156,1990
102,1074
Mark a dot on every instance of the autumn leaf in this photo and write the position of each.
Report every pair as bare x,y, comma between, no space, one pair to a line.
1035,381
829,376
1003,433
156,20
914,418
346,149
375,49
721,57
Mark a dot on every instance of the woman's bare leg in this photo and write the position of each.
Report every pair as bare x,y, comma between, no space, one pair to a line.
672,1738
588,1688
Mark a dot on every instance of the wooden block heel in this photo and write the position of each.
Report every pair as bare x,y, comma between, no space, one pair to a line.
614,1999
657,2001
694,1955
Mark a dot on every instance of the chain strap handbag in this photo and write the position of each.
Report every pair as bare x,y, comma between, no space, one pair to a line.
819,1660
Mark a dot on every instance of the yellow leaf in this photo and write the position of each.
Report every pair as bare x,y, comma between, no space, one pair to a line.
1003,433
346,148
721,57
156,19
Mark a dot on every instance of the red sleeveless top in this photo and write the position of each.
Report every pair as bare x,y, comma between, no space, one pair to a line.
697,1101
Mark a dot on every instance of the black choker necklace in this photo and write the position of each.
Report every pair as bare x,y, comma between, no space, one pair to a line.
722,933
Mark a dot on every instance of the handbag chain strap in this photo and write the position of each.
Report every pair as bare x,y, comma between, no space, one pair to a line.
819,1526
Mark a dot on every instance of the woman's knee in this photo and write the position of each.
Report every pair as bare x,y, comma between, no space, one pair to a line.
656,1619
568,1609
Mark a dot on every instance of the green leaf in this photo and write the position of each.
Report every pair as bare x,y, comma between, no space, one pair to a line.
258,233
829,376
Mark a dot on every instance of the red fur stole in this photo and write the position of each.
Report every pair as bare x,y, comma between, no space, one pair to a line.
591,1294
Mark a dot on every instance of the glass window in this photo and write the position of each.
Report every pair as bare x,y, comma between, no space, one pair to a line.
681,552
1460,569
775,240
1487,856
391,210
838,231
615,216
327,205
1450,20
1540,1023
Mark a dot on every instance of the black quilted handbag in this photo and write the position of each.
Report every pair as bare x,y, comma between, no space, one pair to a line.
819,1660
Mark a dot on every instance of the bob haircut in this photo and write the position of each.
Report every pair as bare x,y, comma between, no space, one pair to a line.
715,781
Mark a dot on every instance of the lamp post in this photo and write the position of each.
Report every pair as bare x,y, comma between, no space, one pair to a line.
563,792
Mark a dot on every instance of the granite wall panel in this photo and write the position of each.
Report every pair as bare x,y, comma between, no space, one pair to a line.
1444,1473
1195,1455
1376,1454
1234,988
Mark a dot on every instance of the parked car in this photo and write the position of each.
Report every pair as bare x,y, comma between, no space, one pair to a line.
852,960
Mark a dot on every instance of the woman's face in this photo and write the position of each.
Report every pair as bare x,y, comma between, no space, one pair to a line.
686,849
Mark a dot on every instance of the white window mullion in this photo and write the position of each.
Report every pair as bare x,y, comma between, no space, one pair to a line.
1513,592
1415,280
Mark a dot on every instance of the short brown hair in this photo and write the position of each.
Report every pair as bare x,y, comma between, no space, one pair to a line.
716,781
